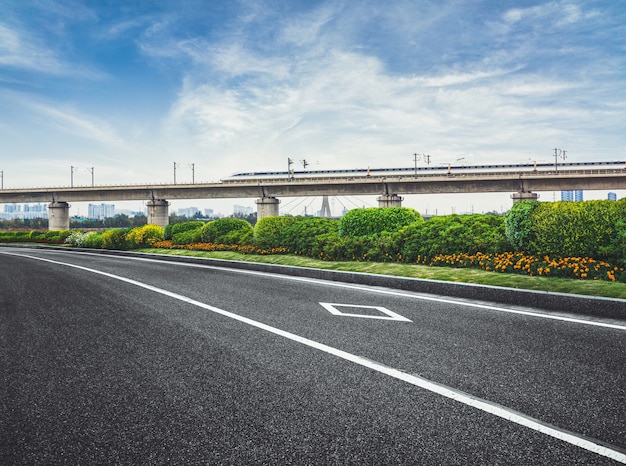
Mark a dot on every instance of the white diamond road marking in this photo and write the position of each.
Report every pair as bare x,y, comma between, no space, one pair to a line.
389,315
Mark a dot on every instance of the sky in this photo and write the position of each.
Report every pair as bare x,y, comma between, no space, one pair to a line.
125,89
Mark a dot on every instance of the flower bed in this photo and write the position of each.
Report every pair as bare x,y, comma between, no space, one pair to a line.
219,247
520,263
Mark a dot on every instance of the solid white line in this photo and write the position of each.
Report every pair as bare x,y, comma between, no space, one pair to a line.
393,293
448,392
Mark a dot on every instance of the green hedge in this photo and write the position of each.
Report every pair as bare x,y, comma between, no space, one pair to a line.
453,234
175,228
188,237
373,221
595,229
569,229
144,236
518,224
116,239
227,231
300,236
268,232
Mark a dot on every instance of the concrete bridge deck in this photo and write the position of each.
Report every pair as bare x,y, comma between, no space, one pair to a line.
523,185
301,187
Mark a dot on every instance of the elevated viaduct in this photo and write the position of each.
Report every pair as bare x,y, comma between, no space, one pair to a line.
389,189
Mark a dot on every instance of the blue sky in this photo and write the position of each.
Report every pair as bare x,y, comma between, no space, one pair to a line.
130,87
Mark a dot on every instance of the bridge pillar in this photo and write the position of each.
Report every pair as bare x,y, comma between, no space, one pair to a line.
266,207
58,216
158,212
389,200
524,196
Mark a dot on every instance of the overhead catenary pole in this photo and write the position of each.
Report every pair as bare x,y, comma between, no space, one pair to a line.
558,153
416,157
193,173
175,165
289,172
92,180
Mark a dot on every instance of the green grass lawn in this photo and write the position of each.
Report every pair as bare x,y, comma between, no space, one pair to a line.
560,285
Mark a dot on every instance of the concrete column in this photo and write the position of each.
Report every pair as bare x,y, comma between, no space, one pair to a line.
266,207
524,196
389,200
158,212
58,216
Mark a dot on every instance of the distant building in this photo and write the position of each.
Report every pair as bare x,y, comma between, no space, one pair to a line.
100,211
242,210
188,212
24,211
208,213
129,212
572,196
612,197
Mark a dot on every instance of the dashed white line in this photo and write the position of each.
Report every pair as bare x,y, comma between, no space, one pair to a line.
442,390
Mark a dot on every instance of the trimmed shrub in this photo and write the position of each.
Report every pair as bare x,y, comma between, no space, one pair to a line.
227,231
376,220
76,239
518,224
175,228
341,248
320,244
56,236
188,237
616,249
167,232
453,234
93,240
36,235
384,248
268,232
115,238
577,229
14,236
300,236
144,236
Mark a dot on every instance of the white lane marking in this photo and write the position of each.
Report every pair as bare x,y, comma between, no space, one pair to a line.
443,390
486,307
389,315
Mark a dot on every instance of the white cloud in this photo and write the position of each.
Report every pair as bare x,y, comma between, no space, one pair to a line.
463,78
19,52
69,120
557,14
307,29
24,50
120,29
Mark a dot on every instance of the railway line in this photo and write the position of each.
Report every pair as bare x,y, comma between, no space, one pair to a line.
525,169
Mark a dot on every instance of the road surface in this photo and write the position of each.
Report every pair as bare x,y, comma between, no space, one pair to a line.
122,360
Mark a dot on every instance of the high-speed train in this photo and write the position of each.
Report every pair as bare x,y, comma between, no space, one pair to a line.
440,170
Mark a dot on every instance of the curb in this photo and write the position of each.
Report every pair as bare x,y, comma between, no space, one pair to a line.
558,302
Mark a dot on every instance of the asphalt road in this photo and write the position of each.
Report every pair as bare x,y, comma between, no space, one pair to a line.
118,360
